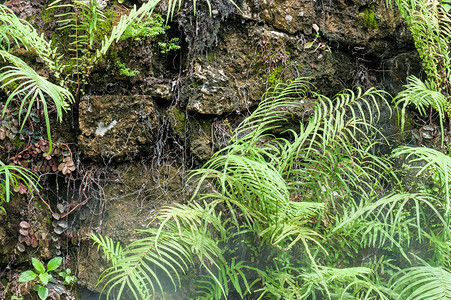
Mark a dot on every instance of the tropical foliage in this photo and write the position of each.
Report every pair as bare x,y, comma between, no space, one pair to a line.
27,89
430,25
300,213
13,177
83,23
25,84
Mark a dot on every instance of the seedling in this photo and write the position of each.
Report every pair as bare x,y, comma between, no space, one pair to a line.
42,275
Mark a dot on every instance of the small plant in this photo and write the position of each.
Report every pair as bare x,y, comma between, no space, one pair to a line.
43,276
171,45
16,177
124,70
68,278
149,27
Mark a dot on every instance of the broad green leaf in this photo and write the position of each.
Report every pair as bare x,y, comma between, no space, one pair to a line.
27,276
44,278
38,265
54,263
43,292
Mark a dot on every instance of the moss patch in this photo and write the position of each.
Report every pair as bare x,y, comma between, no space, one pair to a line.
177,119
367,18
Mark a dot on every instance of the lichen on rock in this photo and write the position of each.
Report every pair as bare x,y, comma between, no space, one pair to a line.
116,127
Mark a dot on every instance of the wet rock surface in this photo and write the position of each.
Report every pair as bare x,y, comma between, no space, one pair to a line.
116,127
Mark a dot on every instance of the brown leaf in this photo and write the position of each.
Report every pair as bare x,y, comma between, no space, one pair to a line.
61,207
27,241
23,231
24,224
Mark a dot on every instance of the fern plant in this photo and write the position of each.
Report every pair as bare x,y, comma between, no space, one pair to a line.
16,31
424,282
12,177
29,87
170,248
81,20
25,84
436,164
430,25
271,188
346,283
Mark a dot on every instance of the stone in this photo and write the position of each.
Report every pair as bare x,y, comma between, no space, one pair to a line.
212,91
201,147
233,76
116,127
158,89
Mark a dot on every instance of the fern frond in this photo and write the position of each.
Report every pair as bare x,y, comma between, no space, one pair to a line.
20,32
12,176
330,119
253,181
185,232
423,96
385,220
142,268
31,87
118,30
288,232
435,162
424,282
194,216
272,110
233,274
430,26
345,283
112,252
354,283
82,20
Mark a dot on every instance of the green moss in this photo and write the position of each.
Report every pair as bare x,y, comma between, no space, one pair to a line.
177,119
408,122
205,126
17,143
367,18
275,76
